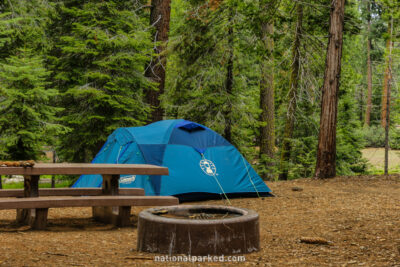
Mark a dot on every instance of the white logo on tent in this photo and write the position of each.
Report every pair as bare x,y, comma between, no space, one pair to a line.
127,179
208,167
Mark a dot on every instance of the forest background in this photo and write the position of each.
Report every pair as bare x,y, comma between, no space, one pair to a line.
71,72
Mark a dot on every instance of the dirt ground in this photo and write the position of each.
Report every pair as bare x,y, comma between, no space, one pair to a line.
360,216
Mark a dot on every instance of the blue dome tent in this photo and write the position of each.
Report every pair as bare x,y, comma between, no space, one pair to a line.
202,164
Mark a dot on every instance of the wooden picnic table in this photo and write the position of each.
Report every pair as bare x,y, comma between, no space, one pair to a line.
85,168
110,173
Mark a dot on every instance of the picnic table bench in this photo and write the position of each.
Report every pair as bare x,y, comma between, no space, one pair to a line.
88,191
109,206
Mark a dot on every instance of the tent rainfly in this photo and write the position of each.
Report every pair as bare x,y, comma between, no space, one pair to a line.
202,164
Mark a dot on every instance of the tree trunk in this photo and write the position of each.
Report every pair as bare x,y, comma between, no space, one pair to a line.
1,183
267,103
294,84
387,119
361,103
389,45
326,151
387,93
159,18
229,88
369,72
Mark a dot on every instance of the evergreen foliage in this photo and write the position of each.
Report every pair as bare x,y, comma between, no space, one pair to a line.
81,64
202,46
27,118
101,49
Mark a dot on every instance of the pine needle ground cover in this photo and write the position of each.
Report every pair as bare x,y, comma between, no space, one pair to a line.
357,216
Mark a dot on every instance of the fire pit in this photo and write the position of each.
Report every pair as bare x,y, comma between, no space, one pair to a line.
198,230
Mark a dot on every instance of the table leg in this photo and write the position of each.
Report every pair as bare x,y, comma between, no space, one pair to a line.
31,189
119,216
110,185
38,218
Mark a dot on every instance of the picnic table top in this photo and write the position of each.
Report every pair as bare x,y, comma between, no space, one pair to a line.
85,168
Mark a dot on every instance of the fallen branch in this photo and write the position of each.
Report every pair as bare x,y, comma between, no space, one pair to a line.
315,240
55,254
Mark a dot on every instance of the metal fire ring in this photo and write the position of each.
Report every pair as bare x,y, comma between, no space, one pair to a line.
221,236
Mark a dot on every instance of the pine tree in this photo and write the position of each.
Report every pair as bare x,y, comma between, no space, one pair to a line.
292,95
23,25
27,117
349,126
267,99
369,68
326,151
301,160
101,50
27,120
159,19
215,81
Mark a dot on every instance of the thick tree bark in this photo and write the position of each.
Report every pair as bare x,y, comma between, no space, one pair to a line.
267,103
229,89
369,72
159,18
326,151
386,78
294,84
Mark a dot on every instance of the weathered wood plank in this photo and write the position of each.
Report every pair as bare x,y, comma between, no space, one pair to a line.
46,192
92,201
85,168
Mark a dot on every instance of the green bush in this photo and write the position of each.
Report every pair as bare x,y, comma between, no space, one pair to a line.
303,157
267,168
349,159
374,136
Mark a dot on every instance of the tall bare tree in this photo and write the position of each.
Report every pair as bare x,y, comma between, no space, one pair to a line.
292,103
369,69
326,151
159,19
